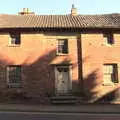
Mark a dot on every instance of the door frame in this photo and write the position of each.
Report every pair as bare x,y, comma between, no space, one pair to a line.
70,76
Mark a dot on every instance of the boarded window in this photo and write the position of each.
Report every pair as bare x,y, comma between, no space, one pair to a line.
110,73
62,46
14,75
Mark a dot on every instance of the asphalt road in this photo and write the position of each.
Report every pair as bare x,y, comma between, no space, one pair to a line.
56,116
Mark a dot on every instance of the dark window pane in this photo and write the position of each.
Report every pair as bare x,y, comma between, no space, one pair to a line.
113,72
110,38
17,41
15,38
63,46
14,74
62,69
66,69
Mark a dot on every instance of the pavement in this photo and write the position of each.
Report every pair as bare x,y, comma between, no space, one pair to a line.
88,108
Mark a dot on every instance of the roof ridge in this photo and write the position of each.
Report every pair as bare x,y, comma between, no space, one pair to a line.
61,14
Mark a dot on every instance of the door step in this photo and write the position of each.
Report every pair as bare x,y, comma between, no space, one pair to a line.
63,100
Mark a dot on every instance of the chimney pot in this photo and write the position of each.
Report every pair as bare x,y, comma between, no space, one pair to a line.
26,11
73,10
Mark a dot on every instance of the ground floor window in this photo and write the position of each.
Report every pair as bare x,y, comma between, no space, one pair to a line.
14,75
110,73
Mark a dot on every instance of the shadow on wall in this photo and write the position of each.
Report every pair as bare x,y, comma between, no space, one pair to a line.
90,83
110,97
80,88
38,78
90,91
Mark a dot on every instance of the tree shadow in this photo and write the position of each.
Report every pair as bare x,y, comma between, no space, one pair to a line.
110,97
38,78
96,92
90,84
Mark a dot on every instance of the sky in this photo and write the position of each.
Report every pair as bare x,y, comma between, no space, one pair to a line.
60,6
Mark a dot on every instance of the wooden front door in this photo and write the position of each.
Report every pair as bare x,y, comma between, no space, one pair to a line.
62,79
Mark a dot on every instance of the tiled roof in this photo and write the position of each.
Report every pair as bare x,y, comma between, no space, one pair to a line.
60,21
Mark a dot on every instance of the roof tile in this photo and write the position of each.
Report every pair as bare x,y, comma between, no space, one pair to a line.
59,21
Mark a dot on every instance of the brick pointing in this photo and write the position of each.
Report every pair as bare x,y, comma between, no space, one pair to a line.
94,55
37,56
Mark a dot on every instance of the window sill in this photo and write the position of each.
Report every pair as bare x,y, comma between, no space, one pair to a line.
14,86
110,84
13,45
62,54
108,45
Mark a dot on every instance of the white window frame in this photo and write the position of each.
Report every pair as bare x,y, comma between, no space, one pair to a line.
8,80
106,38
58,53
110,82
13,37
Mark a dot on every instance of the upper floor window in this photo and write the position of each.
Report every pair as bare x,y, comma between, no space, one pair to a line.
110,73
15,39
62,47
108,39
14,75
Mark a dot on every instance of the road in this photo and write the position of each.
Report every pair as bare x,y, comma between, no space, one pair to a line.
56,116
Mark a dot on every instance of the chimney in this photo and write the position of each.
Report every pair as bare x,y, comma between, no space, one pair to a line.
73,10
26,11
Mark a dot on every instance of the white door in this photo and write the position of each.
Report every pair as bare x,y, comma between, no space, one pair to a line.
62,80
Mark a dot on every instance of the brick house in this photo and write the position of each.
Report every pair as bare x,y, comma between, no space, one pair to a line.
42,56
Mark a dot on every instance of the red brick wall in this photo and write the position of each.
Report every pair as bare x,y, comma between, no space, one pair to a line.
36,55
94,55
